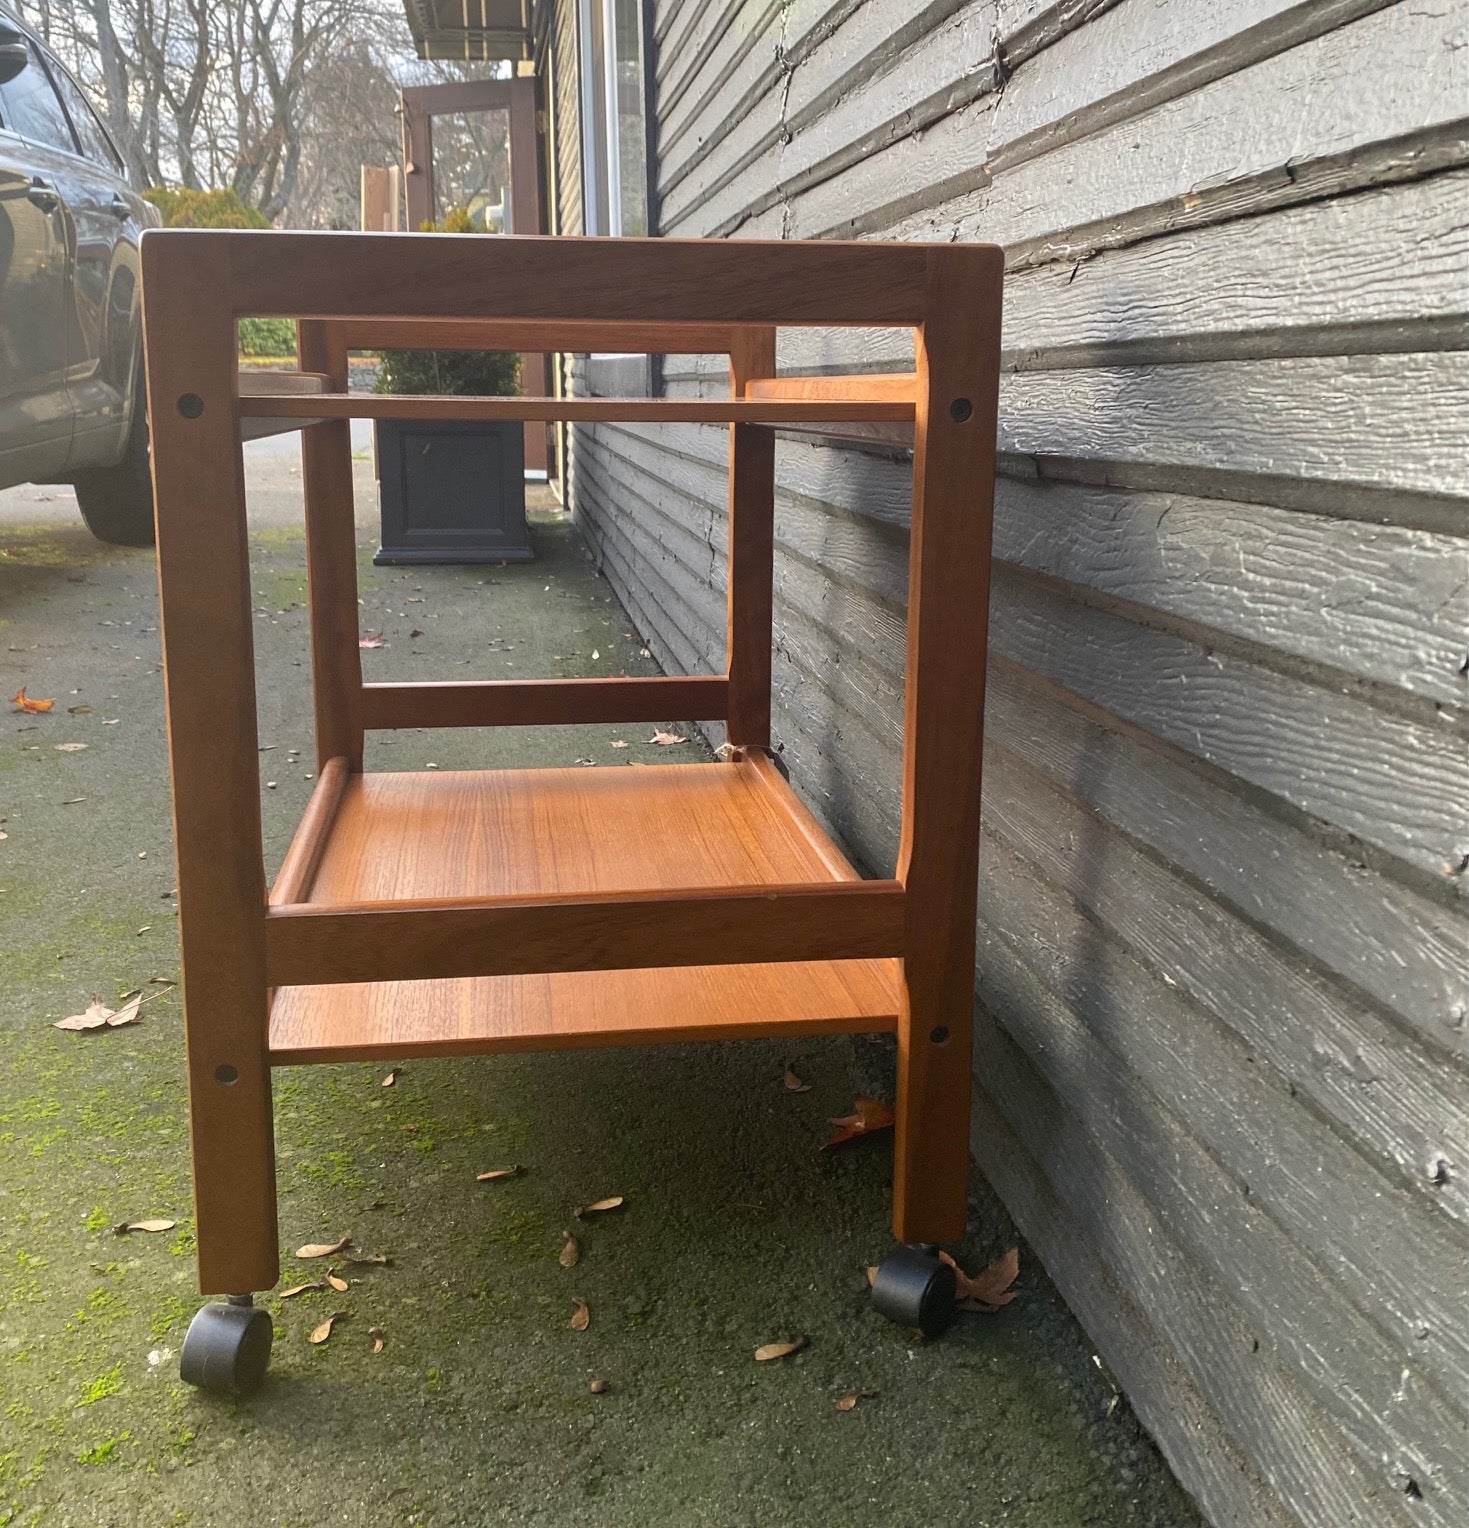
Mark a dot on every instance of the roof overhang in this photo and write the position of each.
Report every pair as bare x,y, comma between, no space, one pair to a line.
474,30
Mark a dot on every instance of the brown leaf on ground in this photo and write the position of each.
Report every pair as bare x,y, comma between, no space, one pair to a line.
868,1115
336,1281
324,1249
849,1401
123,1227
70,710
371,639
496,1173
989,1289
391,1080
301,1289
780,1349
600,1386
95,1017
794,1083
582,1318
32,707
322,1332
127,1014
414,634
100,1016
379,1341
570,1251
667,739
600,1206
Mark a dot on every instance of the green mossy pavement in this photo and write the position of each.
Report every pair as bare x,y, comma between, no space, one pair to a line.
738,1229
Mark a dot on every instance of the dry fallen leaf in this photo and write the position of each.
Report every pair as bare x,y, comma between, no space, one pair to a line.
70,710
415,633
336,1281
849,1401
780,1349
600,1206
667,739
391,1080
371,639
794,1083
301,1289
69,747
570,1251
600,1386
496,1173
378,1340
582,1318
372,1259
31,707
125,1226
989,1289
322,1332
100,1016
869,1114
324,1249
95,1017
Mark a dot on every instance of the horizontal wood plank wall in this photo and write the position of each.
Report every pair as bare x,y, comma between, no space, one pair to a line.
1222,985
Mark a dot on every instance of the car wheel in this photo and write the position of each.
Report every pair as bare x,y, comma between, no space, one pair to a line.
117,502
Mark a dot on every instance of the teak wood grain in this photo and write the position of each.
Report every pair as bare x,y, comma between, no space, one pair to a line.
958,350
543,702
331,559
573,1010
209,685
770,411
749,602
438,913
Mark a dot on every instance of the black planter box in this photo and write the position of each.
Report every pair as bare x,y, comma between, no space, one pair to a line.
452,491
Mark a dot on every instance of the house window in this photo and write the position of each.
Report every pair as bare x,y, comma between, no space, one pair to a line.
614,134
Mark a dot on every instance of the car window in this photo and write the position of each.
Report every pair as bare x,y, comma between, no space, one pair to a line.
96,145
33,109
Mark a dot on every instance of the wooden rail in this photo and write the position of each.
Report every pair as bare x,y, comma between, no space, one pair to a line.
776,411
543,702
298,869
607,931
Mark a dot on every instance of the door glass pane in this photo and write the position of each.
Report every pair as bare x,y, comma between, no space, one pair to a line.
632,143
472,167
33,110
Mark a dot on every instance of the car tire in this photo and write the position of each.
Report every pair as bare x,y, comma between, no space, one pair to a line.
117,502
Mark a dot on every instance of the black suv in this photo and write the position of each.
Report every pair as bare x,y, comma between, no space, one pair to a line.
71,380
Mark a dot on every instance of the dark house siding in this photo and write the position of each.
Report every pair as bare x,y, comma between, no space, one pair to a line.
1222,976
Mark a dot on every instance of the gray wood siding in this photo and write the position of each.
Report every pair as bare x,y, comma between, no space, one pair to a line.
1224,960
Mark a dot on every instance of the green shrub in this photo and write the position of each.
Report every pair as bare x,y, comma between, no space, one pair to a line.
491,373
267,336
221,208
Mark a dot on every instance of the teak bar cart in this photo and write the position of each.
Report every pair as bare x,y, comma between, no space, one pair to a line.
444,914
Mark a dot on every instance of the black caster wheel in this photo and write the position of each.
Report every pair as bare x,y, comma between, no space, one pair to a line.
914,1288
227,1348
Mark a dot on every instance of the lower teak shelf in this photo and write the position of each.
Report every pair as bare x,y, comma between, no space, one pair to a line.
685,827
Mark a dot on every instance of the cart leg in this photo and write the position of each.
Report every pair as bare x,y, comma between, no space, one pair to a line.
931,1153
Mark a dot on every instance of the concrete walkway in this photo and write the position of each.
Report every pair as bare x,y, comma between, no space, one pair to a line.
738,1230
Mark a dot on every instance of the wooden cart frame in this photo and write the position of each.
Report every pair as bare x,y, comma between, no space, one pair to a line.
797,944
